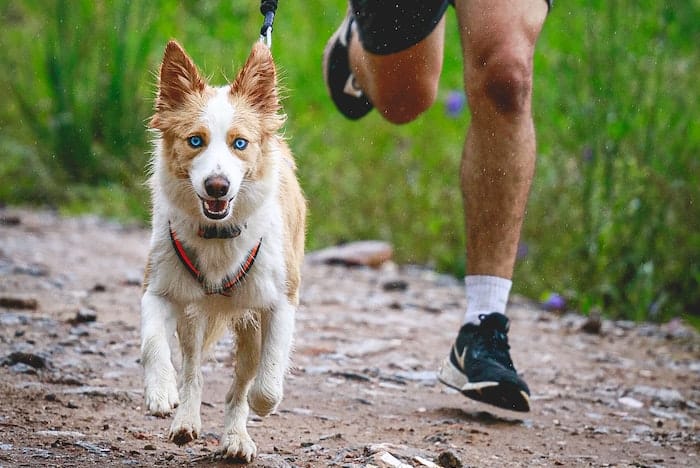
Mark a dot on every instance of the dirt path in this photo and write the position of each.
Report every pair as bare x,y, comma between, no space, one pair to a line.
363,383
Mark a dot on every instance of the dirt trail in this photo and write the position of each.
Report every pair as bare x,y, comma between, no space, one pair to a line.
368,343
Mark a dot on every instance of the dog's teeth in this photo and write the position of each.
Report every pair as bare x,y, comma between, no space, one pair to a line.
216,206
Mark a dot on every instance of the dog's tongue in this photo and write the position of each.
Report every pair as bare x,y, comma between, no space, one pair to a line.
216,206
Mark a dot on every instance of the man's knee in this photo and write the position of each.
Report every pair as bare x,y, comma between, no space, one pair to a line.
404,105
501,83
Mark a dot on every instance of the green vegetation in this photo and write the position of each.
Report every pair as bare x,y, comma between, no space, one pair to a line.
614,216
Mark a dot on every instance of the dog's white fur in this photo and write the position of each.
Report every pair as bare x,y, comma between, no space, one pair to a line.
265,202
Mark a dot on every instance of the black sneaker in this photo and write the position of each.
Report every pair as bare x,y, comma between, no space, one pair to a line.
341,84
480,367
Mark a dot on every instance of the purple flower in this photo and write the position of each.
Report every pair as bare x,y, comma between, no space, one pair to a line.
523,250
454,103
554,302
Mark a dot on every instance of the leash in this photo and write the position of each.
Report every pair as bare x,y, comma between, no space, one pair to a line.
268,9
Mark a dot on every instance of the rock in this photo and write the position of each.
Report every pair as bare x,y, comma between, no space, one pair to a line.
28,303
394,450
10,220
351,376
21,368
385,459
34,360
61,434
272,461
35,270
417,376
84,315
360,253
423,462
593,324
668,397
395,285
448,459
92,447
630,402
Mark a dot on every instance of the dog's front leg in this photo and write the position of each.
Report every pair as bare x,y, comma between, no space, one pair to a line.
277,329
157,326
187,423
235,442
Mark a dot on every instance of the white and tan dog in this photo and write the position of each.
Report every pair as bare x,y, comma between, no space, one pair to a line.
227,244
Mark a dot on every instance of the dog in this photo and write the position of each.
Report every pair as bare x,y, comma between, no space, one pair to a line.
227,243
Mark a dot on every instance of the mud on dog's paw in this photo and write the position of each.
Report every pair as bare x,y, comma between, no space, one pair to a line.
238,446
183,434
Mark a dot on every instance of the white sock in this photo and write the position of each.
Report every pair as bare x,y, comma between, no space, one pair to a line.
485,294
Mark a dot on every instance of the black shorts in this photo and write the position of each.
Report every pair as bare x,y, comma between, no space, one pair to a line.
389,26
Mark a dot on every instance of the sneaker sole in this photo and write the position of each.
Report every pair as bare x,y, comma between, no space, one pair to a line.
353,108
502,395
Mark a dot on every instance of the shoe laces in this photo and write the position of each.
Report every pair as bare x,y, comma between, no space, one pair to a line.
493,330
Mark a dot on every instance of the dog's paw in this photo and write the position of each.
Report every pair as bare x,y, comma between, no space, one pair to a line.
183,433
186,425
264,399
161,395
238,446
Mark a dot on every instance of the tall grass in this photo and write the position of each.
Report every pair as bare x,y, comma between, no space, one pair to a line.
613,216
625,194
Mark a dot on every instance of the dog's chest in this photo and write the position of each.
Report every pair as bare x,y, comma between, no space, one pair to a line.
245,276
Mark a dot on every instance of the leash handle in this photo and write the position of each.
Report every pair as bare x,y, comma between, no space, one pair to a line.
267,8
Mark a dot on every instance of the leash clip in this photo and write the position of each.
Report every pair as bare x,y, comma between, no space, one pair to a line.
266,30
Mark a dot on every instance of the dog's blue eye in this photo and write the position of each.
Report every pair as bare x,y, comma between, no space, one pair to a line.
240,143
195,141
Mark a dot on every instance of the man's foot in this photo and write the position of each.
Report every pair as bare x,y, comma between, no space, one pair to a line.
480,367
341,83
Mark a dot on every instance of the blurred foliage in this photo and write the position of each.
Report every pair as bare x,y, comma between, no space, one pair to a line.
613,219
618,189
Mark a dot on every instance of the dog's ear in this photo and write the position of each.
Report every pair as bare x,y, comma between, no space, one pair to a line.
178,78
257,80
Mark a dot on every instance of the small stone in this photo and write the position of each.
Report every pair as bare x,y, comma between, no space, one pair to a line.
21,368
360,253
385,459
84,315
31,359
9,302
447,459
631,402
593,324
395,285
10,220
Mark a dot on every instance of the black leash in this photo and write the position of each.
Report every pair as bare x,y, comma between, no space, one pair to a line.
268,9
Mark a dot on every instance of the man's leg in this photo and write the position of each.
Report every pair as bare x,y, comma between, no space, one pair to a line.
498,161
404,84
386,55
498,42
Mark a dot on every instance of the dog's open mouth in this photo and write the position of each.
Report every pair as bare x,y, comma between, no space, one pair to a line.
216,209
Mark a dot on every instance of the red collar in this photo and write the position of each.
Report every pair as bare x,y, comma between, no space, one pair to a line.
228,283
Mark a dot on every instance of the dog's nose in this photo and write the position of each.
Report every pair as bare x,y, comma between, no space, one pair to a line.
216,186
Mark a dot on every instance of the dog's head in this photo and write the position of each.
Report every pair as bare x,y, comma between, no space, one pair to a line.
213,141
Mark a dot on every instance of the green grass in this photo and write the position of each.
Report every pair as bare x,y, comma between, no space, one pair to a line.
613,220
